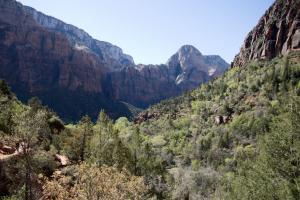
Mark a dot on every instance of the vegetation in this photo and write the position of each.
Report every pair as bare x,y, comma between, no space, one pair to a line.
236,137
93,182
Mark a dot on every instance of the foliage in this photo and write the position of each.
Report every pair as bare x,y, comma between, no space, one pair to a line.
235,137
93,182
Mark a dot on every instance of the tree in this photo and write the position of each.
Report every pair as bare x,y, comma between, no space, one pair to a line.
136,142
285,74
121,154
103,121
106,145
56,124
35,103
7,121
7,108
29,126
4,89
285,71
101,143
87,131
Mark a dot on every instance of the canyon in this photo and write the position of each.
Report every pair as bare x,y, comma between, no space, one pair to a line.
75,74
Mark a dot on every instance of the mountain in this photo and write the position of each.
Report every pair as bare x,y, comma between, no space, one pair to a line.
75,74
277,33
188,65
234,137
144,85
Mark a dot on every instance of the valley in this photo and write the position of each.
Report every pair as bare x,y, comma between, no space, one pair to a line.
66,62
211,131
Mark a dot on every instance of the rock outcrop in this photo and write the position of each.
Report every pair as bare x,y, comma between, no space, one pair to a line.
277,33
75,74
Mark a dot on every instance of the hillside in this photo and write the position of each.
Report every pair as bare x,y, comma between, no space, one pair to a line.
219,138
235,137
211,143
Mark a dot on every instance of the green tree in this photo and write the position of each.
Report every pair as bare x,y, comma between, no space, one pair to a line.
121,153
285,71
101,142
4,89
35,103
29,126
135,147
85,125
7,121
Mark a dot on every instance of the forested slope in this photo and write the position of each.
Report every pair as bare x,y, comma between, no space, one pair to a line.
236,137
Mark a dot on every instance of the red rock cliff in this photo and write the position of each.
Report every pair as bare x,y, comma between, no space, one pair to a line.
277,33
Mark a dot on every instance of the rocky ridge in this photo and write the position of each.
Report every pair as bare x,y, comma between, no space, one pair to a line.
277,33
81,40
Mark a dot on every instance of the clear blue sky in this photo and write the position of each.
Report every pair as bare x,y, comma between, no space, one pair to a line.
152,30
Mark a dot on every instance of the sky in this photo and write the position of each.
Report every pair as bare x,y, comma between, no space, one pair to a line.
153,30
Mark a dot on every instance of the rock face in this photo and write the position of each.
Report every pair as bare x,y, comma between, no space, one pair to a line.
112,55
277,33
143,85
75,74
190,67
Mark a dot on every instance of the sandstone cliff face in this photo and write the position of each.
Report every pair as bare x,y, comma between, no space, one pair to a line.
36,59
277,33
110,54
75,74
143,85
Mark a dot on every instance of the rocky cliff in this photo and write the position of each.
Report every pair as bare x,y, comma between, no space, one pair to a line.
277,33
112,55
143,85
191,68
75,74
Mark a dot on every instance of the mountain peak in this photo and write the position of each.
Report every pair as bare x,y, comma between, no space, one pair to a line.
191,68
186,53
188,49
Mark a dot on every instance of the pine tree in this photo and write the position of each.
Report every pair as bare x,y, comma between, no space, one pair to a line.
87,131
4,89
102,141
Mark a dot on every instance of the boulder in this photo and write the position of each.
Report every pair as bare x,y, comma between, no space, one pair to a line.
222,119
218,120
64,160
4,149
